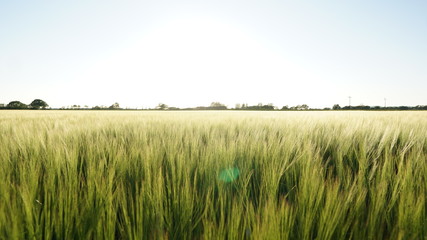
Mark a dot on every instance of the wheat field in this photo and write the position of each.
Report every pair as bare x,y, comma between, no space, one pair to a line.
213,175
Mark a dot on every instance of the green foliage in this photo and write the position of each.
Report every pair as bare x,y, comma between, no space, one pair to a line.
38,103
260,106
162,106
217,106
336,107
16,105
213,175
286,107
115,106
300,107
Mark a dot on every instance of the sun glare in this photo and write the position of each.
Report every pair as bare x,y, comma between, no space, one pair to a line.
194,61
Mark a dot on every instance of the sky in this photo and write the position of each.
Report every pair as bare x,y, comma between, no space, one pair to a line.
192,53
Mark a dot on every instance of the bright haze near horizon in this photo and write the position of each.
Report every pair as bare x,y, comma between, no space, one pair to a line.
192,53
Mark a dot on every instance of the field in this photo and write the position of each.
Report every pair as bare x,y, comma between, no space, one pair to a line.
213,175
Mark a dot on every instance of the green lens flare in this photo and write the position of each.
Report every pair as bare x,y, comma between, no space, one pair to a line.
229,174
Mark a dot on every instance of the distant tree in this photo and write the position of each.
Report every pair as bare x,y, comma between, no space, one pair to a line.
217,106
38,103
336,107
286,107
304,107
16,105
115,106
300,107
162,106
269,106
363,107
260,106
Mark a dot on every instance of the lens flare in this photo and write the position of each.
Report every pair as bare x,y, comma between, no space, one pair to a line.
229,174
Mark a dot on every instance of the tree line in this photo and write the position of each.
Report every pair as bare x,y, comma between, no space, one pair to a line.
35,104
300,107
40,104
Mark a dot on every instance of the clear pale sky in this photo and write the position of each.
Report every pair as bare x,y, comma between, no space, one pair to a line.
192,53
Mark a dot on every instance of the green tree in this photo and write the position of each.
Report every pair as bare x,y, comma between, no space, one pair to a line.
162,106
16,105
115,106
217,106
38,103
304,107
336,107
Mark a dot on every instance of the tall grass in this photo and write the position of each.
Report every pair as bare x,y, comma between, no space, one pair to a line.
213,175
